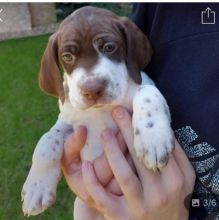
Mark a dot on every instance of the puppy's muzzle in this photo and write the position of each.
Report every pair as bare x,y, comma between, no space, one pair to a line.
92,90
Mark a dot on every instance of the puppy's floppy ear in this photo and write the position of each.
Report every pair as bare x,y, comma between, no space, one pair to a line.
138,48
50,80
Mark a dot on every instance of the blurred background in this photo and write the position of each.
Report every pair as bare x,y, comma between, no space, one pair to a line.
25,112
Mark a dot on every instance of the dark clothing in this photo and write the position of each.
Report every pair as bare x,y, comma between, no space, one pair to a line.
185,68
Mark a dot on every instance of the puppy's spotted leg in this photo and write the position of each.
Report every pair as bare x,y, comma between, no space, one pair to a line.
39,190
153,137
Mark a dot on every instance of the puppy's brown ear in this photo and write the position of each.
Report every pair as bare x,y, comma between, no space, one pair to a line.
50,80
138,49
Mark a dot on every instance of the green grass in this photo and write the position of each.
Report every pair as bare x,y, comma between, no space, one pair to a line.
25,114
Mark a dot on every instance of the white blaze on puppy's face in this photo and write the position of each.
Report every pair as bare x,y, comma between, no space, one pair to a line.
115,75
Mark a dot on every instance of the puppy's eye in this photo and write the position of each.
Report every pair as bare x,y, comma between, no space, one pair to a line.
109,48
67,57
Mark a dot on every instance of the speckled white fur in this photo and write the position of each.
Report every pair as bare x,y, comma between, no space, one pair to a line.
151,123
115,73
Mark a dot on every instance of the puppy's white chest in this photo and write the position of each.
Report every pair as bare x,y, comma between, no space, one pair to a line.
95,120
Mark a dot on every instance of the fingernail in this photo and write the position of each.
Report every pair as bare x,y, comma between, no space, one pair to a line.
107,134
119,112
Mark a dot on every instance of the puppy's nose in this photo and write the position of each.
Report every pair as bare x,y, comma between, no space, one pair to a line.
93,89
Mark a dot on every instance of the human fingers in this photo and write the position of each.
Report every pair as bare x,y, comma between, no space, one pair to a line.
184,164
172,178
71,161
72,147
76,184
179,174
113,185
102,167
123,173
103,201
124,122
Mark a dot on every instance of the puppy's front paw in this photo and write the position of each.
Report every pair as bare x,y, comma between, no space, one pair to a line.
153,141
153,137
39,190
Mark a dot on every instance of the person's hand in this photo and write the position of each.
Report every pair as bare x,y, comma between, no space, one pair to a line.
72,170
147,196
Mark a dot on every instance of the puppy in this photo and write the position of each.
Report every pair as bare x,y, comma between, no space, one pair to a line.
102,56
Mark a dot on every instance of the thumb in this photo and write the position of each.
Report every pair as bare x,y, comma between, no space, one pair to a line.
71,161
73,145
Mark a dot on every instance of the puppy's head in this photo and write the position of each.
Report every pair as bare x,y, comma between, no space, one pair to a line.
99,52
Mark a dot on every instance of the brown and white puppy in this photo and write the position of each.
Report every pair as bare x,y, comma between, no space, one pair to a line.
101,56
